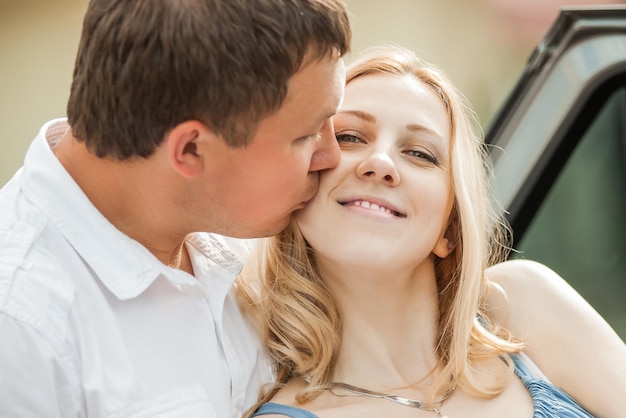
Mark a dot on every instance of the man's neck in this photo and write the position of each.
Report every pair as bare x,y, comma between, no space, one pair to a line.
181,259
124,193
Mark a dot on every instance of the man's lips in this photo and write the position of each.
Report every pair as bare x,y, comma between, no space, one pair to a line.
375,205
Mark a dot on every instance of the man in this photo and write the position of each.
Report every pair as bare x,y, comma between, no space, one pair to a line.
184,116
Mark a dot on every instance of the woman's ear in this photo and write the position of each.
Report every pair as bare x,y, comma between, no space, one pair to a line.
444,247
448,240
185,146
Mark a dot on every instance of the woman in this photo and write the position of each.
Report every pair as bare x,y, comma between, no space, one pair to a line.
374,302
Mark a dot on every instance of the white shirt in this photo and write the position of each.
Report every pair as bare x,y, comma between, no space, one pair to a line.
93,325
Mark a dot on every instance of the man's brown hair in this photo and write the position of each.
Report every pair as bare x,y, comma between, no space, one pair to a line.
144,66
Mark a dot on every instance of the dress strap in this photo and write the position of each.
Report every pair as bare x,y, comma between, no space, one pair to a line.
526,368
288,411
549,401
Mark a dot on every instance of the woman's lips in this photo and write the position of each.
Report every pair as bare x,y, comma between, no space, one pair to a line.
374,205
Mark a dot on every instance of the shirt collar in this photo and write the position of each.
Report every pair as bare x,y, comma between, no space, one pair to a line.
123,265
217,259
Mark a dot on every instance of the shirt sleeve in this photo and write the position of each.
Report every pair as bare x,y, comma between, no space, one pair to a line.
33,381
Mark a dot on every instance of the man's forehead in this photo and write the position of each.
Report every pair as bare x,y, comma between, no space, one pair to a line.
317,88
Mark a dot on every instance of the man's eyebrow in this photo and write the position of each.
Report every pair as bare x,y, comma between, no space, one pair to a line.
324,118
320,124
368,117
329,115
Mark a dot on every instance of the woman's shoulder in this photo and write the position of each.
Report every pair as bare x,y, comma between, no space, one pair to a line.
525,275
524,294
538,306
566,337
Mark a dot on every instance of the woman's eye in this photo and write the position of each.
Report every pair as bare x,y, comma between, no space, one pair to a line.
423,155
344,137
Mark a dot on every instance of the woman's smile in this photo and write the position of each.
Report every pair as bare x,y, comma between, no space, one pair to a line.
379,207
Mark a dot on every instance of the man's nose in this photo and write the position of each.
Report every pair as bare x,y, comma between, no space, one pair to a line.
327,154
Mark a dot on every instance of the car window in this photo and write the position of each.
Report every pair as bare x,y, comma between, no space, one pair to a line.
579,229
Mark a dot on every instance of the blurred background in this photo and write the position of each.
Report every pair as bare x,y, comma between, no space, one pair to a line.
481,44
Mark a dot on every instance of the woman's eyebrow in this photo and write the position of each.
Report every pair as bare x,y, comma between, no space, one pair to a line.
414,127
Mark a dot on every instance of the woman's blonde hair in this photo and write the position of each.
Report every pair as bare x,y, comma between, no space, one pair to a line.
299,319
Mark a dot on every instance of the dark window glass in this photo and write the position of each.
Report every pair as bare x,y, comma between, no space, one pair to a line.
580,228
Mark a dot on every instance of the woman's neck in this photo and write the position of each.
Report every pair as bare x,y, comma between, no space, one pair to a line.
389,325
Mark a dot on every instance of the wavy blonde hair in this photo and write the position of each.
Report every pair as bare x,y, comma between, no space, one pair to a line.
298,316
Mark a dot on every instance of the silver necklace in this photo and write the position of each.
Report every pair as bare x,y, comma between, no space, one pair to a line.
393,398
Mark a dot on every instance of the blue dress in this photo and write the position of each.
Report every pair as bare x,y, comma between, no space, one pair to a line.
549,401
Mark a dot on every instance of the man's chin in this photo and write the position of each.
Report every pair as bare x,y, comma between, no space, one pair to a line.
267,231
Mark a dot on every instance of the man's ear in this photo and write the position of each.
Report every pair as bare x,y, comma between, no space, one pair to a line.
185,146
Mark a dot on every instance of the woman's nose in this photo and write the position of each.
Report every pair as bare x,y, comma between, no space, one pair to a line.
379,166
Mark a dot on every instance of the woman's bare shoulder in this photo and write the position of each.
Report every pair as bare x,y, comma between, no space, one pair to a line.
532,300
517,286
565,336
